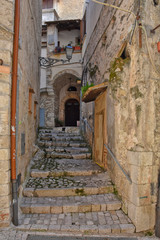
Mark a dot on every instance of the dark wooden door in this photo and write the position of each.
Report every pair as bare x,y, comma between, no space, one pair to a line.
71,112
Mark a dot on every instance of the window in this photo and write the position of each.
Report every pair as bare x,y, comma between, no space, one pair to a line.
47,4
72,89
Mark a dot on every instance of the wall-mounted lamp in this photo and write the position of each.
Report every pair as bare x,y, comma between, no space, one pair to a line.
49,62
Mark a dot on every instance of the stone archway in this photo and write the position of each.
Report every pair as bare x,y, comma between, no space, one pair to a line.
58,89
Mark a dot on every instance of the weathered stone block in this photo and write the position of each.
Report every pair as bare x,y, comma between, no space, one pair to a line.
84,208
104,229
5,189
143,217
5,165
141,174
5,142
127,228
5,87
140,194
140,158
56,209
72,209
4,177
115,228
5,101
5,77
5,201
6,56
4,154
96,208
40,209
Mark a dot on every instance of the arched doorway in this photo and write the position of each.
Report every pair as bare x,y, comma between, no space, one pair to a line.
71,112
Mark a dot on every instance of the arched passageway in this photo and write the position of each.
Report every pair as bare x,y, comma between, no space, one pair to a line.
71,112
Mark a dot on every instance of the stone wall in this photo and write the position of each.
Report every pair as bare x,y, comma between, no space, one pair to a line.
132,103
28,78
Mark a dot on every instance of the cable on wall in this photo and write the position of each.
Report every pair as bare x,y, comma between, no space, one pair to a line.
113,6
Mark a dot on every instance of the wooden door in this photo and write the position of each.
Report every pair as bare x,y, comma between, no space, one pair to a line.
100,129
71,112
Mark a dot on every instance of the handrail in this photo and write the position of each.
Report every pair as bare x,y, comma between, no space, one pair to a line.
114,158
86,122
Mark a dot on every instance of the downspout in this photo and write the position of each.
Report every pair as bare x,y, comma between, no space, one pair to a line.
13,112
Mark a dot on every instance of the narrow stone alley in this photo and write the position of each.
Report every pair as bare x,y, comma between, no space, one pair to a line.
67,191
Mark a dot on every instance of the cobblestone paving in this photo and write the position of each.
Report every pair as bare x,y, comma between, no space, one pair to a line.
15,234
67,204
98,180
65,165
94,222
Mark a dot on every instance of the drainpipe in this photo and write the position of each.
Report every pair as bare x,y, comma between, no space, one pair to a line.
13,112
157,227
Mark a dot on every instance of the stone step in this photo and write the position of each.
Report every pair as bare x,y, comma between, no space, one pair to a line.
69,130
93,203
61,144
68,186
67,149
100,223
61,138
63,155
63,167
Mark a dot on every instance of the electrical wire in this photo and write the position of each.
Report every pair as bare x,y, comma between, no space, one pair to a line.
113,6
149,53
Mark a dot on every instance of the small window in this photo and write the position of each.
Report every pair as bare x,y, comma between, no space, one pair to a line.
72,89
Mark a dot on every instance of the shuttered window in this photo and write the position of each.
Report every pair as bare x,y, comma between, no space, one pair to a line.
47,4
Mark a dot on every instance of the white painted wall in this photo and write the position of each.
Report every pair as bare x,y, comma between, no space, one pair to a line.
93,11
68,36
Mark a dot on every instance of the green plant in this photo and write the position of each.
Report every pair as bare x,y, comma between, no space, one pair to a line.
149,233
58,123
80,192
116,67
85,88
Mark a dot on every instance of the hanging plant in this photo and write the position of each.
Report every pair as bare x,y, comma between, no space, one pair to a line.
85,88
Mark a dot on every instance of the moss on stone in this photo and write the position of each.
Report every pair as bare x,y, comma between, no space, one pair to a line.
135,92
138,112
116,67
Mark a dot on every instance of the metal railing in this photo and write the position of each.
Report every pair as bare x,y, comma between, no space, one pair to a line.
119,165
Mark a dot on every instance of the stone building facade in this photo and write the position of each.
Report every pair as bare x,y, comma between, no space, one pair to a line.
27,94
60,84
120,51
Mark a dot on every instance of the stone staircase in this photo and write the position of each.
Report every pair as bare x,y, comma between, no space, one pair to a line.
67,191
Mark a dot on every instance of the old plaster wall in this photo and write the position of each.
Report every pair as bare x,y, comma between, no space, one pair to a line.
6,46
132,104
64,9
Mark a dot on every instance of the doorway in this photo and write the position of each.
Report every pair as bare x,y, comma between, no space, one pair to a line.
71,112
100,129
